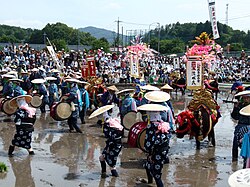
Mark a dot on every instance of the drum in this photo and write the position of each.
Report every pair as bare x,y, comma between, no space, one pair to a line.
60,111
1,103
64,97
129,120
36,101
6,108
136,136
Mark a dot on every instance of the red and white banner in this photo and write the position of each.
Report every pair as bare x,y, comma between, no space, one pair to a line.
194,73
134,66
85,70
213,20
91,66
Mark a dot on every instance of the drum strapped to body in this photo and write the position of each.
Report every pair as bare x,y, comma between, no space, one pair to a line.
36,101
136,136
6,108
60,111
129,119
64,97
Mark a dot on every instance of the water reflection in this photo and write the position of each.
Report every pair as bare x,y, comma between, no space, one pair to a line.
69,151
22,171
194,174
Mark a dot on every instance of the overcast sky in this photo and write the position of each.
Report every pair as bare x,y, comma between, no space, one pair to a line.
134,14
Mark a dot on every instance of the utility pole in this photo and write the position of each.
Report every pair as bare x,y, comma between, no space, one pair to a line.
118,26
122,38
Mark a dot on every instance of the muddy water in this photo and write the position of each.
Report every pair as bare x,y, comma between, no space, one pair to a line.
70,159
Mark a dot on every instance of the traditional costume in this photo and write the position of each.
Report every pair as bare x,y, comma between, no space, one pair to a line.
24,118
156,142
113,132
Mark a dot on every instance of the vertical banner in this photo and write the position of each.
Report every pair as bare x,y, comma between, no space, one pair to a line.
194,73
213,21
85,70
134,66
176,63
54,57
91,66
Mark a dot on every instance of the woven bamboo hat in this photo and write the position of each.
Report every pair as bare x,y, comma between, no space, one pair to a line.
50,78
125,91
152,107
245,93
101,110
239,178
113,88
72,80
38,81
16,80
245,111
149,87
8,76
157,96
27,98
166,87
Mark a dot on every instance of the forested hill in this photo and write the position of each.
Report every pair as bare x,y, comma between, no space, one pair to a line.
173,37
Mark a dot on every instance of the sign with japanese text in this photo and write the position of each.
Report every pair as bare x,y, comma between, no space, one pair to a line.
85,70
91,66
194,73
134,66
213,20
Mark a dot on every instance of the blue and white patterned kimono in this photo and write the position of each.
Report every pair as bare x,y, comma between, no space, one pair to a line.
113,144
157,145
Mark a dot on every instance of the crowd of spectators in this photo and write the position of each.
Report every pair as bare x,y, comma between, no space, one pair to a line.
114,68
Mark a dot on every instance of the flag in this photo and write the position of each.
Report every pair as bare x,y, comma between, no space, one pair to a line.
213,20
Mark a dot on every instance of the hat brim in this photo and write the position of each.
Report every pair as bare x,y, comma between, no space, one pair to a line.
157,96
150,88
112,88
245,93
245,111
101,110
125,91
152,107
38,81
16,80
13,102
72,80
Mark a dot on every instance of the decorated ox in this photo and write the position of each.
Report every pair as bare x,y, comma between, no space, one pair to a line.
200,118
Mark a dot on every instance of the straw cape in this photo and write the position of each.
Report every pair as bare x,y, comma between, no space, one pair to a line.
157,96
245,93
38,81
27,98
101,110
245,111
166,87
152,107
113,88
125,91
149,87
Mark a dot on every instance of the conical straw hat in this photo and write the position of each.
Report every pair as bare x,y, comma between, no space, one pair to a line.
38,81
51,78
101,110
16,80
13,102
149,87
245,92
239,178
157,96
245,111
113,88
152,107
166,87
72,80
125,91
